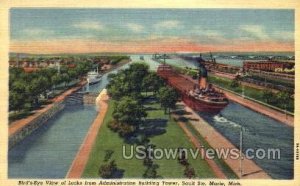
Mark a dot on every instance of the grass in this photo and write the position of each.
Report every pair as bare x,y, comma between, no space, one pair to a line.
108,140
249,91
174,137
18,115
220,162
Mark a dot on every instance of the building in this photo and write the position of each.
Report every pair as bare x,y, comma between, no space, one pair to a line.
264,65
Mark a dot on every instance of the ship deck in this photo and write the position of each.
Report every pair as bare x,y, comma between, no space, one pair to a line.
179,82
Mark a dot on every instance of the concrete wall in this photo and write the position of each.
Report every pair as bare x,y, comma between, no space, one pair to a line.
35,124
90,98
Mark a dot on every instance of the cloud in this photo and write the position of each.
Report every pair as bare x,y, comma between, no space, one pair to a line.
168,24
256,31
136,28
284,35
207,36
37,32
89,25
208,33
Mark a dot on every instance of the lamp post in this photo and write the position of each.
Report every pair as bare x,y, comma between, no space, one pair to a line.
88,85
241,148
243,91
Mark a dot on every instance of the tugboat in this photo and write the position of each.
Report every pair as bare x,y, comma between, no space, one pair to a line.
200,96
94,77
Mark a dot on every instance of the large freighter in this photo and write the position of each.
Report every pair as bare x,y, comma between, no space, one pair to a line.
199,96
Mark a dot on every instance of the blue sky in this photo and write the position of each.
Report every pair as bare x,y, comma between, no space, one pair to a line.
201,27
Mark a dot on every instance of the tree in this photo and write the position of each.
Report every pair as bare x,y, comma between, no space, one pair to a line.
151,171
129,111
167,97
189,172
152,82
65,78
56,80
268,96
36,87
128,82
107,170
234,83
72,73
17,99
283,99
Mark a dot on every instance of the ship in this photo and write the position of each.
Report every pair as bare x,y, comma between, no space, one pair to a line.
94,77
198,95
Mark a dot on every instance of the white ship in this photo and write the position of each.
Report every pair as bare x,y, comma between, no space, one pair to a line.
93,77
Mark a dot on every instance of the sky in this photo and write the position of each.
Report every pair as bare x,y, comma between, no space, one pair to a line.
150,30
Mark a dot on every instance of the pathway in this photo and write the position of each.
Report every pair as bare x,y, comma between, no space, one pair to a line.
215,168
217,141
19,124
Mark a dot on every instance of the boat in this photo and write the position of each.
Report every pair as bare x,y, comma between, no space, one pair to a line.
94,77
200,96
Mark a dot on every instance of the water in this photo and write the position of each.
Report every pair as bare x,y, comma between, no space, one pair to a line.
50,150
233,62
259,132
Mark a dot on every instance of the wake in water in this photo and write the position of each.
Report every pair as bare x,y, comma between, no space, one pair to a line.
221,119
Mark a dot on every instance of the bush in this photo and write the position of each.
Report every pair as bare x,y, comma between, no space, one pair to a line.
189,172
108,170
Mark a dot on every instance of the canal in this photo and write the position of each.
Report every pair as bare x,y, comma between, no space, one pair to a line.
49,151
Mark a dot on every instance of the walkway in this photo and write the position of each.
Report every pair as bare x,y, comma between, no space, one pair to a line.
279,116
272,113
19,124
215,168
217,141
79,163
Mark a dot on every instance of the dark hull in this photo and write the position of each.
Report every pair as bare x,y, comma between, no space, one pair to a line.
202,106
183,85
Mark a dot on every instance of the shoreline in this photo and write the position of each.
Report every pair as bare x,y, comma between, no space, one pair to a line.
78,165
217,141
212,164
257,107
18,125
262,109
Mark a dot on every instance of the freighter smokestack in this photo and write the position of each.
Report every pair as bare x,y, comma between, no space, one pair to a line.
202,81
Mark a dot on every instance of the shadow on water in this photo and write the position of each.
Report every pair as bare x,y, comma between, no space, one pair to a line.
259,132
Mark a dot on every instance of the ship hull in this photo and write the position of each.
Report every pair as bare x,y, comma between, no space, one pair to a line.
183,85
202,106
94,80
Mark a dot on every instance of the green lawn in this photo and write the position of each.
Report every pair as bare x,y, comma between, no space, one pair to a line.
108,140
174,137
248,91
220,162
